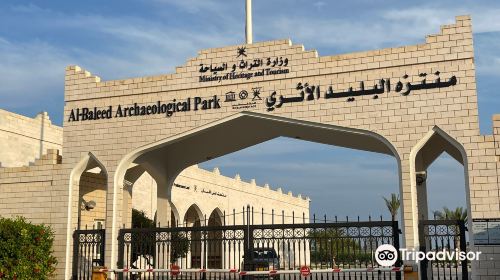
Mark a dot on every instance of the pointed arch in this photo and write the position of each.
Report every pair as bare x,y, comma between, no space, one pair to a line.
193,216
173,154
423,154
88,162
175,219
214,240
216,218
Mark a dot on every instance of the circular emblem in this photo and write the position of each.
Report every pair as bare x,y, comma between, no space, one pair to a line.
243,94
305,271
386,255
174,270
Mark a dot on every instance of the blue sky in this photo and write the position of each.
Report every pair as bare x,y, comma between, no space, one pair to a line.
120,39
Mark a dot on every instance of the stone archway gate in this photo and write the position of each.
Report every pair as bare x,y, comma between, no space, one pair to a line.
399,94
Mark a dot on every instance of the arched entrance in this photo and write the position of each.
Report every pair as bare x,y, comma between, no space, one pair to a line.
174,216
174,154
427,150
442,231
88,183
194,218
214,240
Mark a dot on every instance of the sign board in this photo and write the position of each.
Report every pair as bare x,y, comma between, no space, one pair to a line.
174,270
251,97
305,271
494,231
486,231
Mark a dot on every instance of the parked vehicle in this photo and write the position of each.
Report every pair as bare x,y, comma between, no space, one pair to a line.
261,259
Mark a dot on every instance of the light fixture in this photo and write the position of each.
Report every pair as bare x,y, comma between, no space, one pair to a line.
421,176
89,205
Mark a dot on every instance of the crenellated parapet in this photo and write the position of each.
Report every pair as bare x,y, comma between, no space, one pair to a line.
236,183
24,140
52,157
496,136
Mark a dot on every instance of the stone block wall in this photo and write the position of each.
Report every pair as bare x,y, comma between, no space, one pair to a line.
209,190
24,139
32,192
92,188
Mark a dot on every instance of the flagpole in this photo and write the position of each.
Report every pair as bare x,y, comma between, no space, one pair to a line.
248,29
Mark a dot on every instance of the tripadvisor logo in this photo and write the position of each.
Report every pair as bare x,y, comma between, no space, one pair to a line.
387,255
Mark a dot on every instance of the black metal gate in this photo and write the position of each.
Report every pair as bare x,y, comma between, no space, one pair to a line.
448,236
319,245
88,251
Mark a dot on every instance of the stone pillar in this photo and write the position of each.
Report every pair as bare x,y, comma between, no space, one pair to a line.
408,210
127,205
163,214
163,209
421,185
114,219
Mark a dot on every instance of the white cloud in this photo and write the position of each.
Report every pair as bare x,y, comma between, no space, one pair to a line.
197,6
319,4
28,70
29,8
279,147
486,53
484,17
380,28
297,168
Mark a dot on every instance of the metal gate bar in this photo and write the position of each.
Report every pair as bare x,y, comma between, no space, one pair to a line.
88,251
347,246
446,235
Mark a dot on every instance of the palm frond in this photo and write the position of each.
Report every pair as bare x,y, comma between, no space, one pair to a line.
392,204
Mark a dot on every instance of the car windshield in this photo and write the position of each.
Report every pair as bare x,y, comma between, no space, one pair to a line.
264,254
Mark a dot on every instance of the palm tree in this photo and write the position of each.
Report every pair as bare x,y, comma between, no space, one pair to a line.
393,205
459,214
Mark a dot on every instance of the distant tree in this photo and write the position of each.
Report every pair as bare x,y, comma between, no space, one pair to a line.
146,243
179,246
459,214
335,246
393,205
143,244
140,220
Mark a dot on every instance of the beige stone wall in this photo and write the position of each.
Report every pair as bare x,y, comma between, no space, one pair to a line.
29,191
209,190
144,195
24,139
92,188
32,192
401,120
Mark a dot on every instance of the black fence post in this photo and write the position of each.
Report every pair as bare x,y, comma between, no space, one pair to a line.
103,246
463,248
205,253
121,251
248,240
423,248
248,233
395,236
76,245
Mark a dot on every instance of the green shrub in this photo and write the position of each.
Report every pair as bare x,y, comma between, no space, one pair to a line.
25,250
